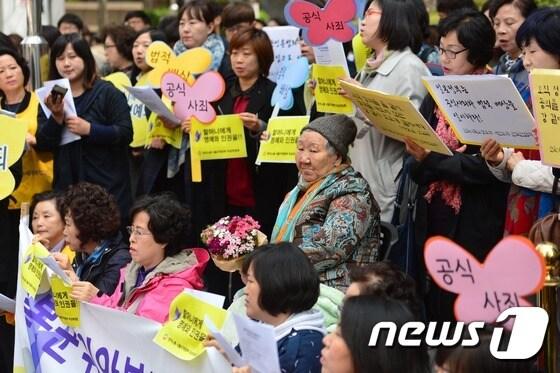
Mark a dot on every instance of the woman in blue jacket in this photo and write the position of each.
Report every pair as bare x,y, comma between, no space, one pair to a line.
100,155
284,298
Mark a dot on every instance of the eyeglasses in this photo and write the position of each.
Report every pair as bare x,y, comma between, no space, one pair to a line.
451,54
136,231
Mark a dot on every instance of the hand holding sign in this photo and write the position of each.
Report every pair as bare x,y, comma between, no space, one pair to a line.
163,60
290,76
334,21
511,271
194,100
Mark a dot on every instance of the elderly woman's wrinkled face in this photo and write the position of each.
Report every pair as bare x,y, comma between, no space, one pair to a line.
313,159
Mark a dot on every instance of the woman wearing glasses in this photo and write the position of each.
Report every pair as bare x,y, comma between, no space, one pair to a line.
391,29
161,267
458,197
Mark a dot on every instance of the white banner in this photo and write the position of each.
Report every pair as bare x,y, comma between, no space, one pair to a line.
106,341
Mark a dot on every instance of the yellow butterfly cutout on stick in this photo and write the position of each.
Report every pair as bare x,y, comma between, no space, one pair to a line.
12,142
163,60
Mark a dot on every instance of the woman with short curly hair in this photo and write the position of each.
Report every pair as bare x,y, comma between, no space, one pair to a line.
161,267
92,222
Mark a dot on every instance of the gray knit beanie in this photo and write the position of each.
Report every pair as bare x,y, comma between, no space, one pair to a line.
339,130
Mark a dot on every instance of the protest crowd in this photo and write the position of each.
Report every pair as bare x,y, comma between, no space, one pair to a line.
329,241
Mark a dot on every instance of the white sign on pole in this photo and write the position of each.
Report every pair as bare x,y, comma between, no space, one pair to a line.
285,44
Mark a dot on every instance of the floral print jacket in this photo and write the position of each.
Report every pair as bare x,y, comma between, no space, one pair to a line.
340,228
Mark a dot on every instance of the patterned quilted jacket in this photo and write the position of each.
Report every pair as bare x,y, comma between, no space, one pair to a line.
340,228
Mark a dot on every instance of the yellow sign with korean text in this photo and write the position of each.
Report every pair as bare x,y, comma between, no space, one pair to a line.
183,334
282,144
140,125
172,136
66,308
224,138
12,142
328,99
545,93
396,117
192,62
33,269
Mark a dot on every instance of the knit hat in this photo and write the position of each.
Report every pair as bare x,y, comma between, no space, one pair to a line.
339,130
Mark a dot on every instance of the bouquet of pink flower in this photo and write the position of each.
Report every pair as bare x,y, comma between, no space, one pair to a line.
230,238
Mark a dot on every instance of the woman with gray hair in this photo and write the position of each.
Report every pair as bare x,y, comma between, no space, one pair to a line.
331,214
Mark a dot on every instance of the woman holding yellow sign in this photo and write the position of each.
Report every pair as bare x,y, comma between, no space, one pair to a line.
161,266
237,186
391,29
531,180
36,167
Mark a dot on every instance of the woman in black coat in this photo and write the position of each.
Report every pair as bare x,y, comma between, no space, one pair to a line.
238,186
458,197
103,123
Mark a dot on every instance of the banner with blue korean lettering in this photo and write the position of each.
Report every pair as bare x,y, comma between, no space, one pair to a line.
106,341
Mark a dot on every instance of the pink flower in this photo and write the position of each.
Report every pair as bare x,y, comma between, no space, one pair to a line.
231,237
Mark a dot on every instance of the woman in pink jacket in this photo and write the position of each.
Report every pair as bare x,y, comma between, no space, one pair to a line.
161,268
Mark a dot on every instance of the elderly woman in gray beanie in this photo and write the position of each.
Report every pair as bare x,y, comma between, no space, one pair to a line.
331,214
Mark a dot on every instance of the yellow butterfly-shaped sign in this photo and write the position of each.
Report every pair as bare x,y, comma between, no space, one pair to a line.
12,142
163,60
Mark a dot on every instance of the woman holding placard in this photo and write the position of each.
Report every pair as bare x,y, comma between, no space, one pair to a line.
161,266
91,229
100,133
539,38
47,223
391,29
458,197
32,173
141,118
238,186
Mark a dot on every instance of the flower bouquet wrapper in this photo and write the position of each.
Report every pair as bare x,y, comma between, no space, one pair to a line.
232,264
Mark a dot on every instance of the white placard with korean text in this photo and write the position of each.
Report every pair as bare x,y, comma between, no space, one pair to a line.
479,107
285,44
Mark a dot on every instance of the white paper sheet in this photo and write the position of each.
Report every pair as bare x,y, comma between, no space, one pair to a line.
69,107
258,345
214,299
7,304
153,102
331,53
232,355
51,263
